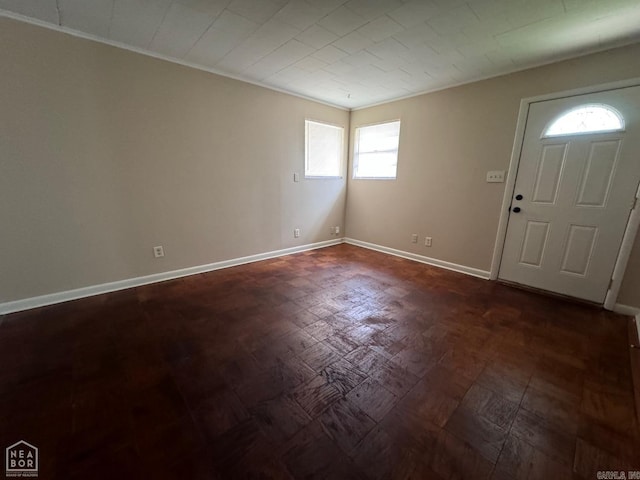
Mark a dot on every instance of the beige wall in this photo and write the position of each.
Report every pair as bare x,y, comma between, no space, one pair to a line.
105,153
448,141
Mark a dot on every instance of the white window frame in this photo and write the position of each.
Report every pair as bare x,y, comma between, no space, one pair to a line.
356,152
341,128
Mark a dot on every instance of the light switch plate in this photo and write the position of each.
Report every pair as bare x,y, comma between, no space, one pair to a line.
495,176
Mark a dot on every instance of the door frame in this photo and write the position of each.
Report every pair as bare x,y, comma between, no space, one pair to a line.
633,223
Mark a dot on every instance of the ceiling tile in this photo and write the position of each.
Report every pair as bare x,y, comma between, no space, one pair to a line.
522,35
320,76
380,29
227,32
258,11
389,48
338,88
368,75
501,59
45,10
360,59
416,70
300,14
448,4
487,28
476,67
578,4
134,22
528,13
445,74
372,9
453,20
353,52
330,54
339,68
317,37
179,31
328,6
389,63
265,40
489,9
310,64
474,49
417,35
242,57
354,42
414,13
447,44
607,26
289,75
282,57
212,8
91,16
275,33
342,21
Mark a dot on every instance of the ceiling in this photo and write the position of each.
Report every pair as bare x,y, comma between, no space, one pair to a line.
351,53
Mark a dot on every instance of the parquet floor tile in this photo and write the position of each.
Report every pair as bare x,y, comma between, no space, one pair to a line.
337,363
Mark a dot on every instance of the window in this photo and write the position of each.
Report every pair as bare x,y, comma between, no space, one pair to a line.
376,150
323,149
586,119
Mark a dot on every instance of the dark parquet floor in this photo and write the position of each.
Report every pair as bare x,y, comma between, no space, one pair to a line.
339,363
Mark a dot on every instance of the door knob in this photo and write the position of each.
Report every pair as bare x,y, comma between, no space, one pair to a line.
516,210
519,197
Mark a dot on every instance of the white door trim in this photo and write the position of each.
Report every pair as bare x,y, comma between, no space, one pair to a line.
623,256
634,219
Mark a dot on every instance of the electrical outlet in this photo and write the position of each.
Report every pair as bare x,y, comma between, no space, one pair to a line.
296,233
337,230
414,238
158,251
427,241
332,230
296,177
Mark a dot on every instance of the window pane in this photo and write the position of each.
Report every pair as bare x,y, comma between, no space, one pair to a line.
379,137
378,165
586,119
323,149
376,151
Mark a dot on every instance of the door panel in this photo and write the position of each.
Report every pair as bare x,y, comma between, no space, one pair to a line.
549,170
598,173
535,239
577,193
579,249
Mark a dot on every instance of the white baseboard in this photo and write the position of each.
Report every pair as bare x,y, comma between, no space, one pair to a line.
475,272
59,297
632,312
626,310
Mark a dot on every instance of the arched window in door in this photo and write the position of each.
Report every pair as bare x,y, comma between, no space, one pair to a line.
591,118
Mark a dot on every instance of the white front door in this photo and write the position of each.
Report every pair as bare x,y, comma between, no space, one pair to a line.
573,195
